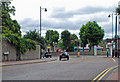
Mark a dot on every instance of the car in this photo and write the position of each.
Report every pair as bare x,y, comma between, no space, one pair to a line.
47,54
64,55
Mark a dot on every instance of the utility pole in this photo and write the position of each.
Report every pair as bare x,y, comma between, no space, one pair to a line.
116,36
40,21
112,25
40,28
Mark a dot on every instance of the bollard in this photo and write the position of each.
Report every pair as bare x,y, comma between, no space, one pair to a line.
107,54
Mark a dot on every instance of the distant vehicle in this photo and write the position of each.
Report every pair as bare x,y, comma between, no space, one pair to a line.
64,55
47,54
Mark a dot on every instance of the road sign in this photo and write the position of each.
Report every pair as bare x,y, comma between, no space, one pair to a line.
48,47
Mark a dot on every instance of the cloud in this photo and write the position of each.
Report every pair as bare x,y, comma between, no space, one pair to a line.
62,13
28,22
107,28
100,18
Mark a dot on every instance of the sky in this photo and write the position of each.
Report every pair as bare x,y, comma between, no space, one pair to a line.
64,14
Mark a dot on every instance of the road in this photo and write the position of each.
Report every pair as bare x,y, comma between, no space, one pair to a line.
77,68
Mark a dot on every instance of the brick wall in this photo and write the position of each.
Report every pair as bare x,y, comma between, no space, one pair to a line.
33,54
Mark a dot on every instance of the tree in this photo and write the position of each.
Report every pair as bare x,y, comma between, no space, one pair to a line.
92,33
117,10
65,36
83,36
33,35
51,36
73,37
71,45
73,40
109,39
7,7
60,44
17,28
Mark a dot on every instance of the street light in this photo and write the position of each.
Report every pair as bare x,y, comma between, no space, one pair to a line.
112,23
116,34
45,9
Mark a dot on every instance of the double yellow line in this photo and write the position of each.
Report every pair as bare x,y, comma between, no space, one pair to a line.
102,74
113,59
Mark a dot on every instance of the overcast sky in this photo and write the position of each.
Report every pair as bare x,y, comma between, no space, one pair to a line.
64,14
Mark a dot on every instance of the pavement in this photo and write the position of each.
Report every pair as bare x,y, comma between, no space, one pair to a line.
11,63
114,75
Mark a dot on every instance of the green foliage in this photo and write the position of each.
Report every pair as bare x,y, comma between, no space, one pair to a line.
83,35
65,36
118,10
11,30
26,44
73,37
109,39
33,35
21,44
51,36
67,41
7,7
60,44
91,33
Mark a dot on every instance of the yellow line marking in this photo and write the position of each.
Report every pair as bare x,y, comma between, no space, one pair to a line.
99,74
106,72
113,59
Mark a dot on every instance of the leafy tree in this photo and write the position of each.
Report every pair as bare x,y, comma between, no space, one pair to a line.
117,10
65,36
83,36
51,36
17,28
60,44
109,39
73,37
92,33
33,35
7,7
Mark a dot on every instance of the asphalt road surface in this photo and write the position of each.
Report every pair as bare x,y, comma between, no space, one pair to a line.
77,68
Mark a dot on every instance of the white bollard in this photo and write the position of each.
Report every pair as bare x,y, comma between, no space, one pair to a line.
95,50
111,50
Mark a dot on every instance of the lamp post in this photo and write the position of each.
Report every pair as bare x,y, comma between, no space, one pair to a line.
116,35
112,23
45,9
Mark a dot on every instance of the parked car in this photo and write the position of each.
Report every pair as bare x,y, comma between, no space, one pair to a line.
64,55
47,54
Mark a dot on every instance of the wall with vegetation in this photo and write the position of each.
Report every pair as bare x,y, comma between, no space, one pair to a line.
31,54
